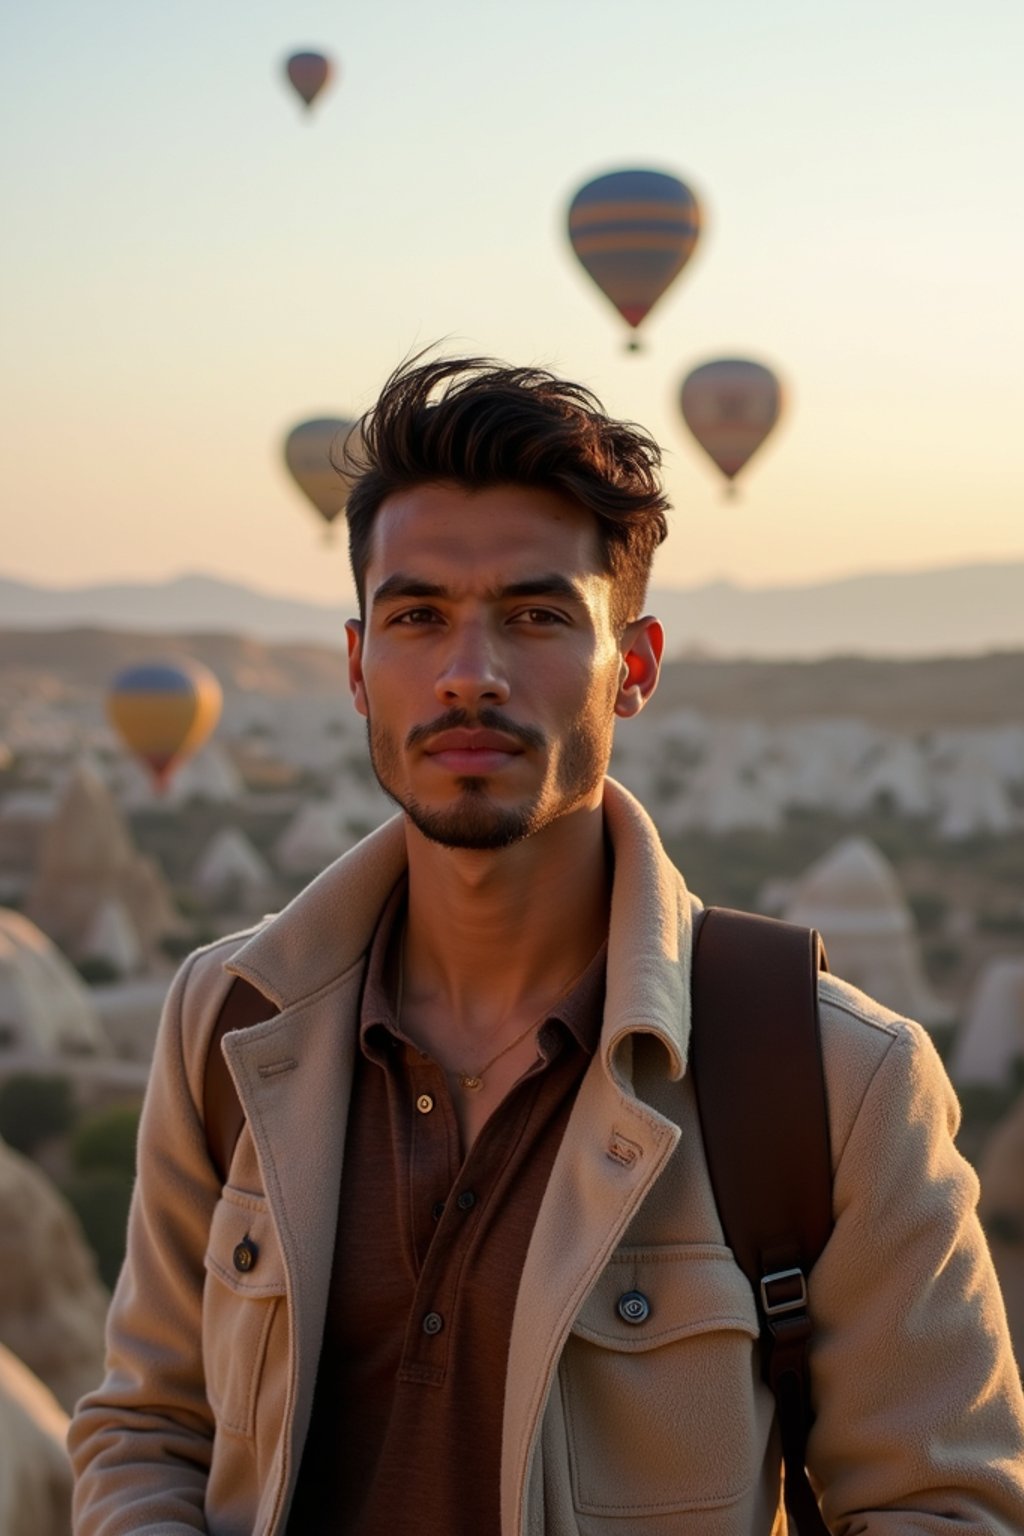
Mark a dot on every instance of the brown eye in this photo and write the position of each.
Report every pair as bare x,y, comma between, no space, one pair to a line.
415,616
543,617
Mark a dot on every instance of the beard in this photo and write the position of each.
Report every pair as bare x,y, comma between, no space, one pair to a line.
476,820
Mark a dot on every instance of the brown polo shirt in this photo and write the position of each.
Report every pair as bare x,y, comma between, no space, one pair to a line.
405,1437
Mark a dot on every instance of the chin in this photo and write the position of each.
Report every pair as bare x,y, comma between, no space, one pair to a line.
474,821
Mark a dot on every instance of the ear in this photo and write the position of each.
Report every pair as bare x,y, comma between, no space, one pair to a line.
641,650
356,682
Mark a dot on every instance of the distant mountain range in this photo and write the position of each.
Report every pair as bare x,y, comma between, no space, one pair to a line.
960,610
894,693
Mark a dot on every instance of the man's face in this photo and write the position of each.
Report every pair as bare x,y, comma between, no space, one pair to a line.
486,665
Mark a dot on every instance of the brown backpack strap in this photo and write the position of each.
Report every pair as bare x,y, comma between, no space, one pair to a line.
222,1112
755,1054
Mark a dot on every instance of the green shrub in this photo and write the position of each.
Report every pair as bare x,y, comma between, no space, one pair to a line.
34,1109
97,970
929,909
985,1104
942,957
177,945
943,1036
106,1141
100,1200
1009,924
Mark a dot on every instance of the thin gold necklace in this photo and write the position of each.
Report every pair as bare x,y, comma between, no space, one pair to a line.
469,1082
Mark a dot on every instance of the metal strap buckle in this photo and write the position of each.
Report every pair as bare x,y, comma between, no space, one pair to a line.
789,1304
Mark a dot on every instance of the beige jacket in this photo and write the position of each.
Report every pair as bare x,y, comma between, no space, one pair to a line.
662,1429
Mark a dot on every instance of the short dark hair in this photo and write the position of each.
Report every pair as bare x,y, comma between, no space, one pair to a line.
479,423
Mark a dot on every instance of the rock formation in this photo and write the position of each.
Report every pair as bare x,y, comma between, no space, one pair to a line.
112,936
35,1474
52,1305
233,873
88,858
45,1007
853,897
315,836
991,1039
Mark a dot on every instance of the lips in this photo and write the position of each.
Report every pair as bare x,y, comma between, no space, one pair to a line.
473,741
472,752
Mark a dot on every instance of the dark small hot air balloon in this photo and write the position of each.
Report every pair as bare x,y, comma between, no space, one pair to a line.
164,711
311,450
633,232
309,73
730,405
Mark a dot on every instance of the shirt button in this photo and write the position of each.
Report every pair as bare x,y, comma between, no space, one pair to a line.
466,1200
633,1307
438,1210
245,1255
424,1103
433,1322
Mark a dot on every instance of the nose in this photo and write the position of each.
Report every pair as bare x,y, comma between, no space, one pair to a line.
472,673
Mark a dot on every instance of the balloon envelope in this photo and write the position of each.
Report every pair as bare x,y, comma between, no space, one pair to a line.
164,711
730,406
307,453
633,232
309,73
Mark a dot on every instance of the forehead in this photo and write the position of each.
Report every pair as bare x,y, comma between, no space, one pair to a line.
452,534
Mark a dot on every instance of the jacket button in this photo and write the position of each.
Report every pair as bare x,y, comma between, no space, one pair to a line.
245,1255
633,1307
433,1322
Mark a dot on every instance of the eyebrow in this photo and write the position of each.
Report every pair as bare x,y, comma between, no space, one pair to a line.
550,584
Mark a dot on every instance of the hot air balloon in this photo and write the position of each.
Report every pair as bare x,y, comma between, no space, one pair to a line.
307,452
309,73
164,711
633,232
730,406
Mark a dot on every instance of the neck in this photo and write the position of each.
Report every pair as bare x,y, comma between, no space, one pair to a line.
495,937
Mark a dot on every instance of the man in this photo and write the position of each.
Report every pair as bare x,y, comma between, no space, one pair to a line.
465,1274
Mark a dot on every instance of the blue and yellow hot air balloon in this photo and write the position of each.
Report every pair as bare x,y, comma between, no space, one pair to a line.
164,711
633,232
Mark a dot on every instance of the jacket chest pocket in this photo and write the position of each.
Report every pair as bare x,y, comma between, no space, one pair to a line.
242,1296
663,1403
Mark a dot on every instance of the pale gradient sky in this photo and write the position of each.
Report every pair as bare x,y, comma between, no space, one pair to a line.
191,265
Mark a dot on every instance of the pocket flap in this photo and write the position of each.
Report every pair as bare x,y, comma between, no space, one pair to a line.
689,1289
242,1249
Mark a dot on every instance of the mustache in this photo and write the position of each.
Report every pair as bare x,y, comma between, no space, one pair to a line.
486,719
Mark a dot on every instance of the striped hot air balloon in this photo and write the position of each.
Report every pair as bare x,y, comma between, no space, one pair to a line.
730,405
164,711
633,232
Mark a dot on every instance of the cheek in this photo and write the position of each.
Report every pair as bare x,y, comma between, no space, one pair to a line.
605,679
385,695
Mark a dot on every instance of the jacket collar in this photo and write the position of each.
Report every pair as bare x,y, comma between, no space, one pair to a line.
328,928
